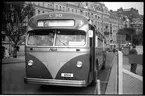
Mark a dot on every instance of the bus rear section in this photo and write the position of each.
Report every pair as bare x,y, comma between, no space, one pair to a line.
57,57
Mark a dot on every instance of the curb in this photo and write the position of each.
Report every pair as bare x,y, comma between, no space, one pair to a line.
111,86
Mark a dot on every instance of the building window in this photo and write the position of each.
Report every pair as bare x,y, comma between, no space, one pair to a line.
92,14
81,12
78,11
38,11
68,9
72,10
50,6
59,7
98,17
56,6
95,16
43,4
63,8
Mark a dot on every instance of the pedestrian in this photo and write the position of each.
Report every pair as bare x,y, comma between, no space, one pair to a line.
114,50
133,52
6,53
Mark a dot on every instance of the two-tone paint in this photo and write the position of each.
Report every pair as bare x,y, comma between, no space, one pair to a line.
50,62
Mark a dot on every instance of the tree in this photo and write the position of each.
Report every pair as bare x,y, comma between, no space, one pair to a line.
138,39
131,35
129,32
14,16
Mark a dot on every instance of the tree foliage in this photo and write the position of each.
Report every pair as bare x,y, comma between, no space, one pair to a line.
14,18
138,39
131,35
129,31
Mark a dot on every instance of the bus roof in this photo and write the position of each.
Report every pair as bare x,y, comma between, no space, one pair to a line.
79,20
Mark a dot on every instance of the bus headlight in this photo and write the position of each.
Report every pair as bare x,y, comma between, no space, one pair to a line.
30,62
79,64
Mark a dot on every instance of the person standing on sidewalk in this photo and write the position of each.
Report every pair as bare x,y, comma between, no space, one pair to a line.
133,52
6,53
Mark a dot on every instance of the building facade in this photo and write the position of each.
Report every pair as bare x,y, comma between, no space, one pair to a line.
137,24
97,12
105,23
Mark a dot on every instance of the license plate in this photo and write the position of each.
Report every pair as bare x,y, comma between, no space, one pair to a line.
66,74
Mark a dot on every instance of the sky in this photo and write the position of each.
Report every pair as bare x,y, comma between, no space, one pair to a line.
125,5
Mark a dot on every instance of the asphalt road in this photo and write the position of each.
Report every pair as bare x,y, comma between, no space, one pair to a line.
13,82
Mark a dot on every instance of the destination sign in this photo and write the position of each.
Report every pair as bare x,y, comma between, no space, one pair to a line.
55,22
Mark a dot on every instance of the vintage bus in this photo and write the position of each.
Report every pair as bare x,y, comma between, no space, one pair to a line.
63,49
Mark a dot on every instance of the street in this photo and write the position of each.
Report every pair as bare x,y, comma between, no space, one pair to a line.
13,82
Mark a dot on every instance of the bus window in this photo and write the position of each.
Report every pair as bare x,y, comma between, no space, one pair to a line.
75,38
41,39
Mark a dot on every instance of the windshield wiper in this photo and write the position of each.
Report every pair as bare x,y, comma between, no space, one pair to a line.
62,42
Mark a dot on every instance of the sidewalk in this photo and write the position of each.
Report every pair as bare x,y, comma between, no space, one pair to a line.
11,60
131,85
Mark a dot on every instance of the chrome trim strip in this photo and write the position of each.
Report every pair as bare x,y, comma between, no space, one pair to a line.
58,49
75,83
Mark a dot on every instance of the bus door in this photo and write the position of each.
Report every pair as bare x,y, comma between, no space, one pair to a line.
93,66
99,50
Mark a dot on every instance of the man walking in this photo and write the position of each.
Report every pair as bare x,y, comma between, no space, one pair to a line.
133,52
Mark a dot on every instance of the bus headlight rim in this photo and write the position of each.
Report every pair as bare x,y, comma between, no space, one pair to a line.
79,64
30,62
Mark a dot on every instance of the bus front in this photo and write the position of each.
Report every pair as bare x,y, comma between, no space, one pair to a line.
57,52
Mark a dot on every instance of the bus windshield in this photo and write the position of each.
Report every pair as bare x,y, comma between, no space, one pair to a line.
57,38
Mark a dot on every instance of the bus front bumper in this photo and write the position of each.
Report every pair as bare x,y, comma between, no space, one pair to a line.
58,82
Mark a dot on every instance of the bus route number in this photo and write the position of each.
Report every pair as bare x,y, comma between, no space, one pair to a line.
55,15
